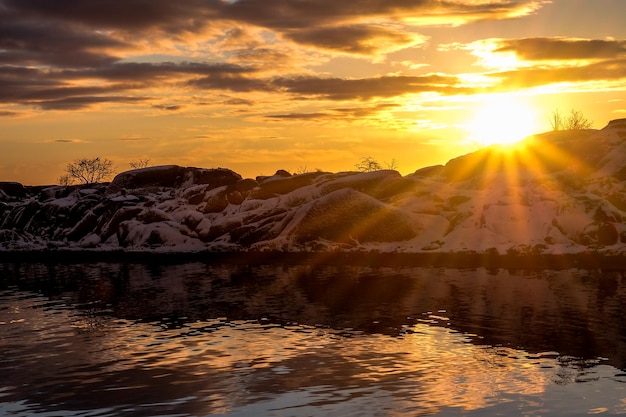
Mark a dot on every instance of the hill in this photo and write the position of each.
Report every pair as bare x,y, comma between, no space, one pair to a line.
560,192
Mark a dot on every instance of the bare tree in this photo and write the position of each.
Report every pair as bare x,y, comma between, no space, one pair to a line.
66,180
89,171
576,120
368,164
140,163
556,120
393,164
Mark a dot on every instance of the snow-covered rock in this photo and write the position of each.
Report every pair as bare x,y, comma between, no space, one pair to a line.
558,192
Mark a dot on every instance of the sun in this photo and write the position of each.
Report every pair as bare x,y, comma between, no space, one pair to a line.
502,120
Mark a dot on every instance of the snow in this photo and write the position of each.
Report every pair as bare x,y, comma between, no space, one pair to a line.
525,209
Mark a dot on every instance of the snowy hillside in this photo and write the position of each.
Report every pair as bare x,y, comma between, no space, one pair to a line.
559,192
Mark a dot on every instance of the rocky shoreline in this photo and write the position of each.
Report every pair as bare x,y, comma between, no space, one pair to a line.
556,194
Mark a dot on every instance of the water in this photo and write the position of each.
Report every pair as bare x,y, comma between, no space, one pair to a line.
195,339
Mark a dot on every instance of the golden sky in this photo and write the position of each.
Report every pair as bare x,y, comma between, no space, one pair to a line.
261,85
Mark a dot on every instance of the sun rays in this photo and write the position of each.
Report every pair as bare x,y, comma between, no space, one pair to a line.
516,191
502,120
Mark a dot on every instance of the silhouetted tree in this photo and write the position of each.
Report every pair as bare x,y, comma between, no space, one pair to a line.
575,121
368,164
141,163
66,180
89,171
393,164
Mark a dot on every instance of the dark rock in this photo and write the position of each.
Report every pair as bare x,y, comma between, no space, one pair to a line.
196,194
345,216
215,177
235,197
430,171
218,230
172,176
369,183
21,216
7,236
607,234
243,185
85,226
153,215
251,234
123,231
13,189
216,203
396,187
285,185
281,173
261,194
617,124
123,214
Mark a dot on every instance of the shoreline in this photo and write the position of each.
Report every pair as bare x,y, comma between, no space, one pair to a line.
375,259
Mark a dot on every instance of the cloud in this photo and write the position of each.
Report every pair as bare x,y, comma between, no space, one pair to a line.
168,107
76,54
76,103
238,102
134,138
45,43
68,141
368,88
357,39
287,14
605,71
300,116
536,49
339,113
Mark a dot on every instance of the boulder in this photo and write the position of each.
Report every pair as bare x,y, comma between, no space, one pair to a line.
172,176
346,216
430,171
285,185
121,215
369,183
216,203
12,189
607,234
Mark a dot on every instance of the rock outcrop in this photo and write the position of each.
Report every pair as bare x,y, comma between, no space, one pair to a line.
559,192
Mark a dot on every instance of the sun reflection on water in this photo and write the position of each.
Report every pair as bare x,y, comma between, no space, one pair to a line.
80,359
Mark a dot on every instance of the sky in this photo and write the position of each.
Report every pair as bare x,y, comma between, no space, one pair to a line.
301,85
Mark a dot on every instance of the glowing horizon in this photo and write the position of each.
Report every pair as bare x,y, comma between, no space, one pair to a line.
258,86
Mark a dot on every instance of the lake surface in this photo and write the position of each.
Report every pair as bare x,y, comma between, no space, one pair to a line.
196,339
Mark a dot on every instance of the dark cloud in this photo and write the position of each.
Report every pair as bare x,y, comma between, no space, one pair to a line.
356,39
134,138
7,113
289,14
336,113
534,49
73,54
300,116
168,107
131,15
76,103
368,88
231,82
119,82
156,72
609,70
238,102
45,43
